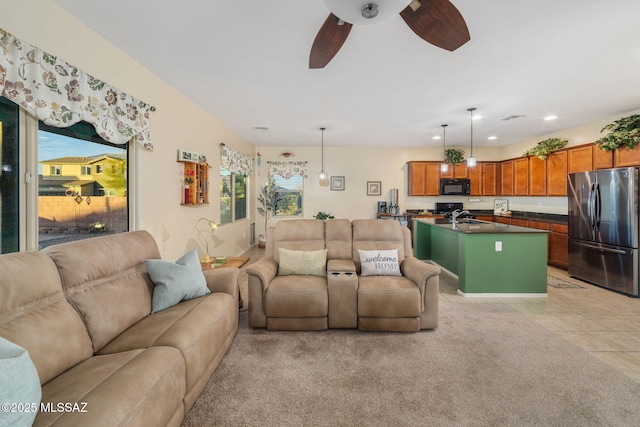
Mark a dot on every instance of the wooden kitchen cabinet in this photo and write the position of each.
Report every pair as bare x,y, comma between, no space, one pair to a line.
433,179
520,222
602,159
475,177
521,177
458,171
489,179
559,245
506,178
537,176
557,173
580,159
417,178
624,157
502,219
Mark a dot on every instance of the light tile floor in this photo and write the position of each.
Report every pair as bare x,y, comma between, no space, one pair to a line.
604,323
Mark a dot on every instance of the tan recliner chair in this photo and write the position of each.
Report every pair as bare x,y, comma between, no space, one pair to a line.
394,303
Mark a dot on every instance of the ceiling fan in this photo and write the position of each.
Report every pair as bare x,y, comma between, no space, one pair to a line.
436,21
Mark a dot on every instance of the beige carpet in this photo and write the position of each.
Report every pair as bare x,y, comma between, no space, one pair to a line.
487,365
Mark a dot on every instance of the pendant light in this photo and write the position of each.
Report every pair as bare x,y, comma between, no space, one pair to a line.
322,175
471,161
444,167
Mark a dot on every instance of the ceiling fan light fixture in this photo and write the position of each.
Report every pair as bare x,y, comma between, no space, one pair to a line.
370,11
354,12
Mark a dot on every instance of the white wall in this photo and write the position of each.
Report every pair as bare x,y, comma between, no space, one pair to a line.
177,123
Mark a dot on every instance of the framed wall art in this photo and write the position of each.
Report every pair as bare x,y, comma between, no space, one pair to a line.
374,188
337,183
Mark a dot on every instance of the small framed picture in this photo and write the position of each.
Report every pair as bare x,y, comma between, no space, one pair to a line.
374,188
500,206
337,183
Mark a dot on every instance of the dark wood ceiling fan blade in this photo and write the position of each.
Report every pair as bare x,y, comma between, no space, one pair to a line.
438,22
328,42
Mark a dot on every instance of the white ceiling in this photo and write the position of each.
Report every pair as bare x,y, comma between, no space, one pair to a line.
246,62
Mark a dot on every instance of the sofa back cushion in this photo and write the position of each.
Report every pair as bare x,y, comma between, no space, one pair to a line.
298,235
106,280
35,315
377,234
339,239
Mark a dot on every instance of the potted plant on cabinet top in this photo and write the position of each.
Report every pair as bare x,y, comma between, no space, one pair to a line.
323,216
454,156
622,132
544,148
268,204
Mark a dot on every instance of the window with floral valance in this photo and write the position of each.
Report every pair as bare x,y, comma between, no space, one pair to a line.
234,161
287,169
61,95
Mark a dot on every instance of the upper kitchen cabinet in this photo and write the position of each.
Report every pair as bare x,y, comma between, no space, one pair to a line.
537,176
624,157
602,159
424,178
489,179
521,177
458,171
505,178
557,173
475,177
580,159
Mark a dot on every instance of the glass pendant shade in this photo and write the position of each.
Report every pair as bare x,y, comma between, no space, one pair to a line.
471,161
322,176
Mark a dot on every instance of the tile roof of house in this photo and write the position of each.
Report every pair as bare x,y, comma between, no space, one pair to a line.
82,160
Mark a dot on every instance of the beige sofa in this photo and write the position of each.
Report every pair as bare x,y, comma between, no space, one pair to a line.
82,310
344,297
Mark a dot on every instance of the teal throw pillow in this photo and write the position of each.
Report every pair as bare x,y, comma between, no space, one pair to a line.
20,390
176,281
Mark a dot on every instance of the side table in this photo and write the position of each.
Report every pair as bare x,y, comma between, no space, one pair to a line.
231,262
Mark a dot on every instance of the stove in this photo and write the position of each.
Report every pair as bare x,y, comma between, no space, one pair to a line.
441,208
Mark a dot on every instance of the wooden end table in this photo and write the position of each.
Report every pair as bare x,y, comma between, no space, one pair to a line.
231,262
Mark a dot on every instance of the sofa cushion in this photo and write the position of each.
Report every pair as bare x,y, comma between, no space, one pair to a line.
388,296
176,281
202,329
106,280
297,296
305,263
143,387
298,235
379,263
19,385
339,238
35,315
373,234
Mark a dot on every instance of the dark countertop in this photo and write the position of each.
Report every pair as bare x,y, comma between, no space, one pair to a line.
531,216
479,227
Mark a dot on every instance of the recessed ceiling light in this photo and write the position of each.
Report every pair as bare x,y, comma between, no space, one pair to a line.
551,117
477,117
492,137
261,128
436,137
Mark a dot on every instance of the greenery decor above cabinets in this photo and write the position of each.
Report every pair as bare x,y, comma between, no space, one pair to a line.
624,132
544,148
454,156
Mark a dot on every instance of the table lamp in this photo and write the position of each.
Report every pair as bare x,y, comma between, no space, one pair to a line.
212,229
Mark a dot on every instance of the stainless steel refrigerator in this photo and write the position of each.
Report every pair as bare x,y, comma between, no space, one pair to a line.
603,228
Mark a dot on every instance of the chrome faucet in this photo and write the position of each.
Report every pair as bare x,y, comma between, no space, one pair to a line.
455,214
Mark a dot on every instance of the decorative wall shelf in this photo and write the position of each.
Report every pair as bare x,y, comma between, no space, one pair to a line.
195,189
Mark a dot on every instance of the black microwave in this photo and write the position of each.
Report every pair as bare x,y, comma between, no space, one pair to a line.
455,187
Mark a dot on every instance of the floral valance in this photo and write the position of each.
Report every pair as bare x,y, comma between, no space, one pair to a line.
287,169
234,161
61,95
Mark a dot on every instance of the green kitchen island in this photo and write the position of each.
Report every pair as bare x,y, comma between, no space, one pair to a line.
490,259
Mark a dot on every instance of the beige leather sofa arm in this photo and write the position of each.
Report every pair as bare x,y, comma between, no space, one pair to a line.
427,277
260,273
223,280
418,271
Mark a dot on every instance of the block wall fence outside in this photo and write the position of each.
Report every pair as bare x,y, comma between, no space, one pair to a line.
61,213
